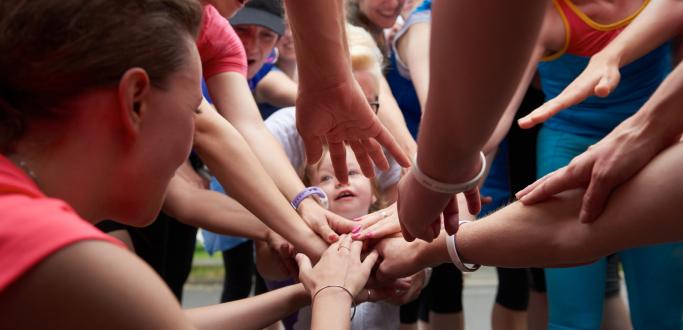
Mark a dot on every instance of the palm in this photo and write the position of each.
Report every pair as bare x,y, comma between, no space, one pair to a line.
342,115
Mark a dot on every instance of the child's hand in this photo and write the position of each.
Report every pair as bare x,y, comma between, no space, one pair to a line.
340,265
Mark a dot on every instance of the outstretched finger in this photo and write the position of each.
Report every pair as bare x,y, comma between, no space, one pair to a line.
342,225
314,148
379,230
451,218
338,157
364,160
473,198
375,151
533,186
595,198
560,181
574,93
303,263
608,83
325,231
385,139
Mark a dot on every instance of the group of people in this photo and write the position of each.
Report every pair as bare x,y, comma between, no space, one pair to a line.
356,156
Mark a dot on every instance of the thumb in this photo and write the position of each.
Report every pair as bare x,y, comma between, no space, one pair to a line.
304,263
340,224
607,83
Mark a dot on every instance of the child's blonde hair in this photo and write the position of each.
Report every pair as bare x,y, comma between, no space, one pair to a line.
365,55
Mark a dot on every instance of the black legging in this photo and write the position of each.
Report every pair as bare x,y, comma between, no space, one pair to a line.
239,273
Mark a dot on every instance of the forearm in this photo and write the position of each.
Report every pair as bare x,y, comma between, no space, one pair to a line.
661,116
331,310
276,89
215,212
660,21
256,312
239,108
644,210
321,52
461,115
228,156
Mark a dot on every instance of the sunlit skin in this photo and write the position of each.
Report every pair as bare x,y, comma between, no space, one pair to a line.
382,13
258,42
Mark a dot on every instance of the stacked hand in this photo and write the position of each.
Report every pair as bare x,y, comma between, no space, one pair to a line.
340,265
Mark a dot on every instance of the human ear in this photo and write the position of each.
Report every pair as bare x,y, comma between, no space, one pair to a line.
134,89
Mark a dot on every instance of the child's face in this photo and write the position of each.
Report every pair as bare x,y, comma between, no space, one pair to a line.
258,42
350,201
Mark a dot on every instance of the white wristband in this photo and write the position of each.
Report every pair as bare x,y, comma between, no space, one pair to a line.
448,188
455,257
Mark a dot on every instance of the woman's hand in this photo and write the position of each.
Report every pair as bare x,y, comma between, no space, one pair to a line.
604,166
326,224
340,265
600,78
341,114
377,225
417,283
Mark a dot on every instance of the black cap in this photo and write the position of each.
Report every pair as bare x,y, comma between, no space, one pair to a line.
266,13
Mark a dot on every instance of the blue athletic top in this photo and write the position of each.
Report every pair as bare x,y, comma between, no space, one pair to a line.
426,5
596,116
405,95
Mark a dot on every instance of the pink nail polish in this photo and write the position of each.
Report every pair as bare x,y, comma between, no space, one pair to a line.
332,238
355,236
356,229
370,235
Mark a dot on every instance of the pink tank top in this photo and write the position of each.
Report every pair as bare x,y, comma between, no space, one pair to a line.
34,226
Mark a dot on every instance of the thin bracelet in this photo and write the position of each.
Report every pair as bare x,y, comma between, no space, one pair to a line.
336,286
447,188
455,257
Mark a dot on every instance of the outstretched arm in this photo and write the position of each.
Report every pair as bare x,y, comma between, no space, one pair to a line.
645,210
660,21
231,160
330,105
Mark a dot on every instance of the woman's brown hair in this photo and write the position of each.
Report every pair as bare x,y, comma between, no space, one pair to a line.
53,50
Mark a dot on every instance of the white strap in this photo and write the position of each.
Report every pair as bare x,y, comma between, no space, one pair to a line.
455,257
448,188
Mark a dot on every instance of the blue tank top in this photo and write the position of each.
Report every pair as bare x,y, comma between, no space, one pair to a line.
405,95
426,5
596,117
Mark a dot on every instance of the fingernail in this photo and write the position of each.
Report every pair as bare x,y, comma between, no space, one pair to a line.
356,236
357,219
332,238
356,229
370,235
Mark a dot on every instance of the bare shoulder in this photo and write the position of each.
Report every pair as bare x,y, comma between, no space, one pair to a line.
91,285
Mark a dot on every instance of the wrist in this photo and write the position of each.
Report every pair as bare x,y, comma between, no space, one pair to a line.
435,253
451,169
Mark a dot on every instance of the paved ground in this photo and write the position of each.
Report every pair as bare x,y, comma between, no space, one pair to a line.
478,297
